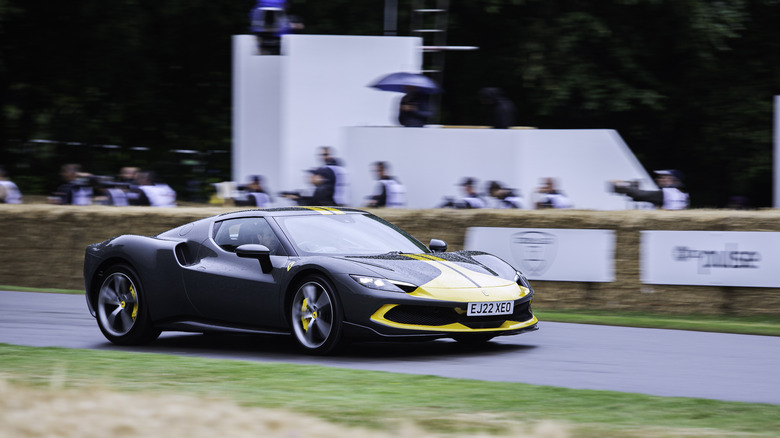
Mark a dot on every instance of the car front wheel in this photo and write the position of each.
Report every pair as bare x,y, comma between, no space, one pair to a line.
122,314
315,316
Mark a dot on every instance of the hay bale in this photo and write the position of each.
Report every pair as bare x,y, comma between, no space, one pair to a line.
43,246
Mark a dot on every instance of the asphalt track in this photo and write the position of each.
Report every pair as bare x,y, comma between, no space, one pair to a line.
648,361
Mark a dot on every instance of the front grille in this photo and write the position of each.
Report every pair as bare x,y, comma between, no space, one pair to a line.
440,316
422,315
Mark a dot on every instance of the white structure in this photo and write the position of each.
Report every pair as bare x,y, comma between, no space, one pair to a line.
430,162
316,94
285,106
776,196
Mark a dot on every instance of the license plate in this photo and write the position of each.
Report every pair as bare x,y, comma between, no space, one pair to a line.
491,308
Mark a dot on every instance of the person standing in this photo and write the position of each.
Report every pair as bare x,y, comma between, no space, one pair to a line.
76,188
470,198
549,196
9,192
502,110
154,192
268,22
339,179
321,178
414,110
669,196
254,193
390,192
502,197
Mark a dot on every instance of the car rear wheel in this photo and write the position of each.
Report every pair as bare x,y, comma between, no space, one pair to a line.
315,316
122,313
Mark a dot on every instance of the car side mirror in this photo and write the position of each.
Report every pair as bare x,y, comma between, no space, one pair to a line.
259,252
437,245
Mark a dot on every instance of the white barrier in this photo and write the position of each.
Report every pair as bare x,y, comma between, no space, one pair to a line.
550,254
710,258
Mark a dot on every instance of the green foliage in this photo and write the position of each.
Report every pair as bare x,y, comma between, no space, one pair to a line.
688,84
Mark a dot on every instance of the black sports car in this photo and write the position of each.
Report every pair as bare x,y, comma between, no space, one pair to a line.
324,274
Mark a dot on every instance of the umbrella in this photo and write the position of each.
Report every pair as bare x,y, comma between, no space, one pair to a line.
399,82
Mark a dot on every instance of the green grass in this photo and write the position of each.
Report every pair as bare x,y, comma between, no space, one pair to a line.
40,289
378,399
751,325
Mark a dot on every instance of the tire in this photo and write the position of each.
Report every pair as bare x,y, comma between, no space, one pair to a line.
122,311
315,316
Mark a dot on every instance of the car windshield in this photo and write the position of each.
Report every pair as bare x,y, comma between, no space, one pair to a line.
346,234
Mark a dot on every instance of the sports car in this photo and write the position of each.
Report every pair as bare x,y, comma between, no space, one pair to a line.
323,275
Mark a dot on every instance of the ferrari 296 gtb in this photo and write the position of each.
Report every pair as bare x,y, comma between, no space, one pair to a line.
320,274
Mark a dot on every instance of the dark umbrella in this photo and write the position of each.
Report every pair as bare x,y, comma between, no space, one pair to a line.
400,81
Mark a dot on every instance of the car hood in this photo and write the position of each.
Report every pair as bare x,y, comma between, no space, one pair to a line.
452,276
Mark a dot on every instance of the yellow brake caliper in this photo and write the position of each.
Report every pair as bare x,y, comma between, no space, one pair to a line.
135,303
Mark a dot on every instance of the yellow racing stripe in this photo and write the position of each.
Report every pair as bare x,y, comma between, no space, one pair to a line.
326,210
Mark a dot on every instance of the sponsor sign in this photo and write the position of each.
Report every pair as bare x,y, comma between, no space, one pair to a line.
710,258
550,254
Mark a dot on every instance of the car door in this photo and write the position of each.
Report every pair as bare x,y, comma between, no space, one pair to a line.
225,288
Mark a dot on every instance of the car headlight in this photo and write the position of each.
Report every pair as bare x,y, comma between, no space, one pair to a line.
521,280
384,284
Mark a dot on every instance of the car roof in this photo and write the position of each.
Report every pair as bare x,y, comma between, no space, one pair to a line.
291,211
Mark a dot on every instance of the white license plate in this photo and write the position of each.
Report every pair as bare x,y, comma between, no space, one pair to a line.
491,308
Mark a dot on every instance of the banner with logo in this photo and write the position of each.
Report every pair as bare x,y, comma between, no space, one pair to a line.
710,258
550,254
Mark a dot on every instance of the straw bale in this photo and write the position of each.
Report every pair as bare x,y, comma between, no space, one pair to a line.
43,246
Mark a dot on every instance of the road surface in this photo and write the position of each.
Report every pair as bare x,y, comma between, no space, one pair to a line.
648,361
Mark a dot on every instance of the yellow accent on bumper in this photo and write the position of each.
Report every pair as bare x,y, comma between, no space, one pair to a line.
508,325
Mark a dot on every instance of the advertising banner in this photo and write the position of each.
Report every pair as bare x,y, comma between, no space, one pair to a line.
710,258
550,254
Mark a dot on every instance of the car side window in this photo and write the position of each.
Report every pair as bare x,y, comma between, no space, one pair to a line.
231,234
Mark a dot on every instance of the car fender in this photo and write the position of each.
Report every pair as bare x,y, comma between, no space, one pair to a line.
155,263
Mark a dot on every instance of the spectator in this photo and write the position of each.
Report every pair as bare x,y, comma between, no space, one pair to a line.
502,110
548,195
669,196
339,180
323,189
501,197
124,190
76,188
9,192
470,198
738,202
253,193
154,192
390,192
110,192
268,22
127,175
414,110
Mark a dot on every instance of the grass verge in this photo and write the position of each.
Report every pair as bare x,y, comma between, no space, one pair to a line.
41,289
748,325
378,399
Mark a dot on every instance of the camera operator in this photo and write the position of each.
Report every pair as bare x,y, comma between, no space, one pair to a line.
253,194
668,197
76,188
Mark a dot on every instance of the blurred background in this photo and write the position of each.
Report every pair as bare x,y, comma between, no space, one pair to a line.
688,84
